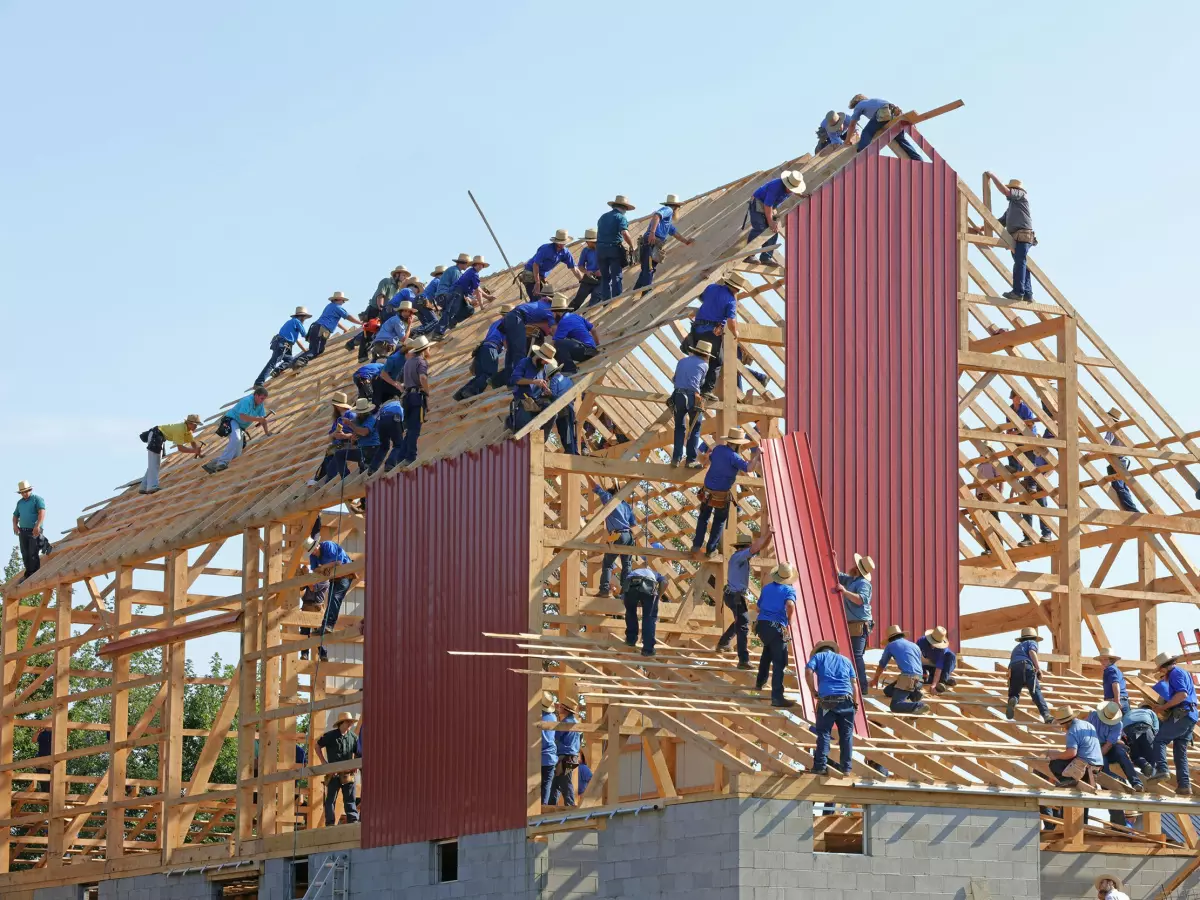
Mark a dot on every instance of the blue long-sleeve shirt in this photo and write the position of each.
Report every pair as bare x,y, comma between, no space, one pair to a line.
906,654
858,585
549,743
620,519
866,108
568,742
327,553
548,256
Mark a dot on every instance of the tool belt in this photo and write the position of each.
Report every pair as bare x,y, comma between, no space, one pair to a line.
655,250
317,331
1178,713
225,429
154,440
858,629
1024,236
278,343
642,585
907,682
566,763
614,536
833,701
590,278
886,113
529,404
1081,770
525,276
715,499
340,778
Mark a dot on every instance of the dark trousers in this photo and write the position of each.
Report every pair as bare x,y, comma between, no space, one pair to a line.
317,337
339,464
902,701
1177,733
332,786
547,783
842,716
587,288
873,127
949,663
858,650
281,355
625,539
719,517
709,384
758,224
563,785
688,419
774,657
452,311
391,442
572,352
1030,484
1117,755
365,387
610,258
645,602
646,259
1021,674
428,318
565,423
487,366
414,417
1022,282
736,601
382,392
29,550
338,588
1141,746
516,341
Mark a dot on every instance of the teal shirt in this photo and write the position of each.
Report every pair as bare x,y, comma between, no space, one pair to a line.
245,407
609,227
27,511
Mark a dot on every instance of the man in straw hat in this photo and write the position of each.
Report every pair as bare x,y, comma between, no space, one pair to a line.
685,402
619,525
879,115
905,691
340,408
485,364
449,277
589,271
1024,672
390,285
1106,718
535,316
776,604
549,747
1029,482
658,230
416,395
575,338
290,333
1120,464
529,383
28,518
613,246
736,594
339,744
724,463
641,592
830,678
1113,678
467,293
565,421
1018,222
761,212
181,434
1178,712
568,745
856,592
246,412
832,131
1108,887
362,440
1139,727
1080,758
716,315
393,332
426,303
331,320
938,661
545,260
390,428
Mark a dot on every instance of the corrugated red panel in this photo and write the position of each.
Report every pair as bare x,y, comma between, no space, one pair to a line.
802,538
445,736
872,284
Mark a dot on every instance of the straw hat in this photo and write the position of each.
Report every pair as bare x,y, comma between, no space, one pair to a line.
1029,634
420,342
1114,415
560,237
735,436
437,272
403,305
938,638
1162,660
572,705
736,281
621,202
301,313
1016,183
23,486
865,565
784,573
1109,877
560,302
339,401
546,351
1063,714
345,717
590,234
463,258
396,269
505,309
702,348
825,645
1105,653
192,419
1109,712
480,261
338,297
743,540
793,181
547,702
895,631
857,99
549,368
672,200
833,117
362,405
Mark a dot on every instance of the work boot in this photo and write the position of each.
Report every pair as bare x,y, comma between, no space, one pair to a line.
1012,295
1065,783
1147,770
921,709
722,646
1137,787
647,652
759,685
1158,775
745,665
1183,791
941,688
1047,718
630,643
823,771
1010,709
783,703
1025,542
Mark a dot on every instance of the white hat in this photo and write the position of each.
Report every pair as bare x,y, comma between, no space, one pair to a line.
560,237
23,486
784,573
559,302
480,261
546,351
401,269
549,368
345,717
420,342
938,637
363,405
793,181
735,436
1109,712
338,297
736,281
702,348
1105,653
1108,877
403,305
301,313
590,234
1162,660
339,401
672,200
621,201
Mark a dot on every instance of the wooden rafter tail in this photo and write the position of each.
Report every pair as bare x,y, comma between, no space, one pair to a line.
914,118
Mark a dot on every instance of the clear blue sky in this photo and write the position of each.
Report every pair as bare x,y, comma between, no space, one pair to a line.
175,178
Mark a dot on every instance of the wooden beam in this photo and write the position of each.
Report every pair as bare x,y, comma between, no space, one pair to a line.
174,634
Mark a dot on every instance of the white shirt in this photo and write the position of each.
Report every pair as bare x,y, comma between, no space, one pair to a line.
1116,895
1111,438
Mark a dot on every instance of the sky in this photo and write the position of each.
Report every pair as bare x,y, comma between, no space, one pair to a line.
187,174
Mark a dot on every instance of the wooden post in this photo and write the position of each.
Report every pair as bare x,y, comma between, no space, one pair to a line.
537,500
1070,639
175,587
271,636
1148,620
8,646
119,721
248,686
59,735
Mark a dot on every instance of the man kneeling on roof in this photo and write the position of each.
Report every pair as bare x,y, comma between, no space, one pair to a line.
574,336
1081,757
1106,719
937,659
339,744
246,412
529,382
641,591
181,434
905,691
830,678
776,604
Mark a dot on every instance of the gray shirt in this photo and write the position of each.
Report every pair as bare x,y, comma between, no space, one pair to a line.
1017,215
414,368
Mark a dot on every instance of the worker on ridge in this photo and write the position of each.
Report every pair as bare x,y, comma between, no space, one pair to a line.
716,496
937,659
247,411
641,592
390,429
716,315
290,333
1113,679
568,744
485,366
761,212
331,320
1018,222
619,524
1120,465
545,260
390,285
1080,758
905,691
334,746
1179,714
549,748
830,678
574,336
736,594
589,268
1023,672
686,381
613,246
467,295
1106,719
535,314
856,592
393,331
831,132
879,115
651,243
416,395
776,605
181,434
28,519
427,308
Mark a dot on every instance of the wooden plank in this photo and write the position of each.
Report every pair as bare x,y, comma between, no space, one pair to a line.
172,635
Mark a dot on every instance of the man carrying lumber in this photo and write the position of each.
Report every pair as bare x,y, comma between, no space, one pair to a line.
736,594
181,434
589,269
485,369
246,412
290,333
905,691
567,744
574,336
1178,713
724,464
1019,224
879,115
1080,758
830,678
856,592
325,559
761,212
687,381
1115,688
937,659
1106,719
776,604
641,592
1023,672
613,247
545,260
334,746
716,315
658,230
620,524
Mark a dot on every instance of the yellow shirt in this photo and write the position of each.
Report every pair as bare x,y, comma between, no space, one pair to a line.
177,433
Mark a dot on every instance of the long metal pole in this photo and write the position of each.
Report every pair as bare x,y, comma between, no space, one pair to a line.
479,209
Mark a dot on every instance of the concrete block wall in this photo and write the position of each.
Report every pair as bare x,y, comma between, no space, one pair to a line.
192,886
1067,876
65,892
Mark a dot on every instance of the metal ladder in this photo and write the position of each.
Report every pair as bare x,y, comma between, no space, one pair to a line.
335,875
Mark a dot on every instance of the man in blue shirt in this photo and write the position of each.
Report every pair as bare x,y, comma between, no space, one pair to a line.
1082,744
589,269
689,375
832,131
650,245
856,592
938,660
761,211
613,246
567,744
1139,729
620,524
905,691
1115,688
529,385
416,395
244,413
393,331
642,590
830,678
537,315
545,260
737,589
574,336
485,367
716,315
462,299
28,517
1106,719
326,559
549,749
364,378
724,463
329,322
1179,708
389,429
776,604
879,115
426,305
364,428
281,345
1029,482
1023,672
559,384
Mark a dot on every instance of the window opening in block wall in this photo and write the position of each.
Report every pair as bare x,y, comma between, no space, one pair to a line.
445,861
839,828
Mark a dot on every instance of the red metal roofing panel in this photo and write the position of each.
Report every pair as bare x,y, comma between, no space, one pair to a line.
802,538
871,329
447,559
